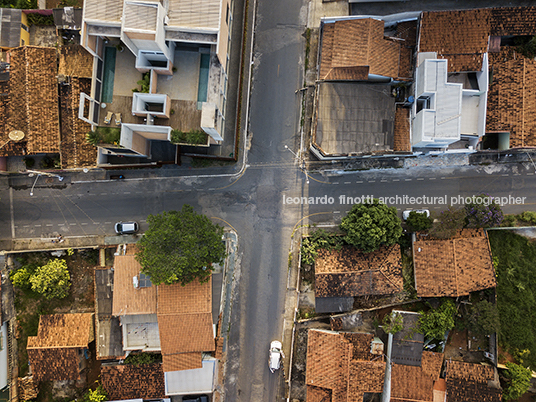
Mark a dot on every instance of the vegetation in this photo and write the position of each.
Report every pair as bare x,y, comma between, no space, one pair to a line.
144,83
194,137
22,4
526,46
516,291
419,222
137,359
518,381
393,323
319,239
38,19
527,216
483,213
104,135
52,280
370,225
29,162
448,223
436,322
97,395
180,246
483,318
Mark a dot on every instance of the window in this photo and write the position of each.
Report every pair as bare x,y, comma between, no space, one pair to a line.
144,281
227,15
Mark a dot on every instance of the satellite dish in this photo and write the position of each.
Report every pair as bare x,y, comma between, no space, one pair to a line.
16,135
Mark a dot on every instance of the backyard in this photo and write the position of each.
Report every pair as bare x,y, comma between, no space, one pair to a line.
30,305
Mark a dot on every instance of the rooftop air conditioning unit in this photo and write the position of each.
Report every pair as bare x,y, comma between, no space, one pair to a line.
135,281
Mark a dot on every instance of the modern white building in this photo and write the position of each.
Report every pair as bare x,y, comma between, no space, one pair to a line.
154,32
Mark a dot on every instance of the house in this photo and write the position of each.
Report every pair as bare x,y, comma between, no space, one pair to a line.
453,267
344,366
362,65
58,352
124,382
174,320
472,382
180,47
14,28
341,275
452,73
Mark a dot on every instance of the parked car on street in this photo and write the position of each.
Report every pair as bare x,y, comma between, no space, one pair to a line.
275,356
405,214
126,227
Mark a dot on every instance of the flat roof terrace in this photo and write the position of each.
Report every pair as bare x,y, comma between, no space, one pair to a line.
354,118
182,87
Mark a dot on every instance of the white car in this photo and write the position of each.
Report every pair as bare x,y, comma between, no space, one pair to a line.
405,214
126,227
275,356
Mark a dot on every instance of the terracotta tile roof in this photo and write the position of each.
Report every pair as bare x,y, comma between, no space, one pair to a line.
145,381
63,331
33,107
518,21
27,388
511,100
401,133
408,31
55,364
54,352
219,348
350,272
349,44
416,383
182,361
459,36
453,267
75,151
128,300
186,333
75,61
185,321
335,369
471,382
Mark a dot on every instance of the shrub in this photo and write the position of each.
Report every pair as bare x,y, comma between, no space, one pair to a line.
393,323
528,216
194,137
145,83
93,138
319,239
52,280
419,222
98,395
142,358
483,318
483,213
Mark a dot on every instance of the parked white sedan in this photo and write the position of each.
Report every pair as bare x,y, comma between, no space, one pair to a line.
275,356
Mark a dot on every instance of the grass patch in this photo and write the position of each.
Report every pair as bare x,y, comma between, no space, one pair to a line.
192,137
514,258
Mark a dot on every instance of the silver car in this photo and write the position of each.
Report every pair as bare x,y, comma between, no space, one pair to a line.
126,227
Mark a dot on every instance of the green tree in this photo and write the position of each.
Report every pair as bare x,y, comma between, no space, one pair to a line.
371,225
180,246
518,381
52,280
393,323
435,322
21,277
448,223
483,212
419,222
483,318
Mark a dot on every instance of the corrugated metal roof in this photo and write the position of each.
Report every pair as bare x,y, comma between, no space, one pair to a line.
10,27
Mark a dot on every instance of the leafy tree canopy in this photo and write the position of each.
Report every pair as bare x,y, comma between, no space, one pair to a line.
52,280
370,225
448,223
393,323
518,379
180,246
435,322
483,318
419,222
